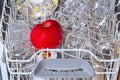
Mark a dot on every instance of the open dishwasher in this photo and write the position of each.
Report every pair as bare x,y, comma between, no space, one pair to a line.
89,51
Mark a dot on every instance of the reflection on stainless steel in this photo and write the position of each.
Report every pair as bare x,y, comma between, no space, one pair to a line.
37,9
1,7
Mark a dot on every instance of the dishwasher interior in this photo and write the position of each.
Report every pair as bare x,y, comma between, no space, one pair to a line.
89,51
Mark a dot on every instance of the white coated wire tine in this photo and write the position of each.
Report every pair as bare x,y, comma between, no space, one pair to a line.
118,3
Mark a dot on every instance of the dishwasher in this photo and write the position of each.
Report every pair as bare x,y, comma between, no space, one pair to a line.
89,50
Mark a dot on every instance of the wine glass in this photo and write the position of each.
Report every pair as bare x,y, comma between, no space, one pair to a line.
19,39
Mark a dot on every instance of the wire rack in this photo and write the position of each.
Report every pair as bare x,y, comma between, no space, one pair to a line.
90,33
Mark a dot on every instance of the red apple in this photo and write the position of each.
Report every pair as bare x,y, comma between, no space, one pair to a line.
48,34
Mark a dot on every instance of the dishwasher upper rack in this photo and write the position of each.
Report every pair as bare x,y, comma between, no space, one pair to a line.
18,62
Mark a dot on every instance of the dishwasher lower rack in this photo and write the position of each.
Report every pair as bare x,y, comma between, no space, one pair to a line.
100,67
64,67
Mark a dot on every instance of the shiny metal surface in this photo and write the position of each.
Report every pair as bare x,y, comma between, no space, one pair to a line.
1,7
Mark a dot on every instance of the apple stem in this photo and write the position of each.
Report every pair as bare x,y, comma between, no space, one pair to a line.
45,26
